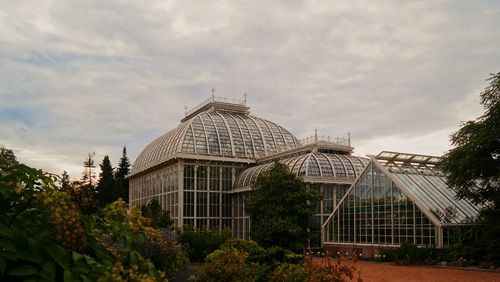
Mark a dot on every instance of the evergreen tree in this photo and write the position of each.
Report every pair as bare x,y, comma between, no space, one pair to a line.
280,208
84,192
159,218
106,187
65,182
122,182
88,177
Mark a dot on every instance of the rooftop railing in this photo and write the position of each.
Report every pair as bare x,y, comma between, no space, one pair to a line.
335,140
241,102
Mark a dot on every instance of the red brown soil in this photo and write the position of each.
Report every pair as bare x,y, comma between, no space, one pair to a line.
382,272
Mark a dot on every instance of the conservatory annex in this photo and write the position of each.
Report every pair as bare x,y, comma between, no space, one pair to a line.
398,198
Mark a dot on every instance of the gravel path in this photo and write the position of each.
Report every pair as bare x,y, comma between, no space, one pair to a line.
382,272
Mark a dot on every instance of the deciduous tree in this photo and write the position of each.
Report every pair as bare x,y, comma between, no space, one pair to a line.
473,165
8,156
280,208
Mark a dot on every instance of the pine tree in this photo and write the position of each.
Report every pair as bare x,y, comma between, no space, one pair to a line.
120,175
84,192
106,187
89,174
65,182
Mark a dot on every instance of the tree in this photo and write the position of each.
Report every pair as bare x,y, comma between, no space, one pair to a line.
123,169
159,218
106,187
280,208
89,174
84,192
473,165
65,182
8,156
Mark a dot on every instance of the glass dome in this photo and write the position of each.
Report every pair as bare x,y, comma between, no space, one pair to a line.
218,133
315,164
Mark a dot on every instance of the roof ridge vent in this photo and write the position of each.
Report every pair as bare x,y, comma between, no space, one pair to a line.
217,103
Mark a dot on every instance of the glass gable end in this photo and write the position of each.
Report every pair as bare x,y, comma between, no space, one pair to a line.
376,212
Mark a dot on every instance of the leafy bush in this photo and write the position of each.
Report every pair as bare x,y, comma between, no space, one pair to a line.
409,254
248,246
158,218
289,272
227,265
200,243
45,236
331,270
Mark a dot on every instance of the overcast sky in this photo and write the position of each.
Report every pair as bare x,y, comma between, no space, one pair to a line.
84,76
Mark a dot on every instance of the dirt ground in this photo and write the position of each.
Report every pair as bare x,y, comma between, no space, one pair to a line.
382,272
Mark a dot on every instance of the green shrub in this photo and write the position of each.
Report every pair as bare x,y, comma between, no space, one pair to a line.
289,272
262,262
332,270
44,236
409,254
200,243
227,265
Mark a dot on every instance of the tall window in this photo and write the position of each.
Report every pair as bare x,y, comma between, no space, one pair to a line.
188,177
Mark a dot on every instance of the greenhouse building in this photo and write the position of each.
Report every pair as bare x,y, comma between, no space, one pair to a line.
203,170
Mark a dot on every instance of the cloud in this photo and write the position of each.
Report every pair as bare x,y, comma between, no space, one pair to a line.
79,77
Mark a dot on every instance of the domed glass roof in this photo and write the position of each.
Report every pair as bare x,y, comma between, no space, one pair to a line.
311,164
218,133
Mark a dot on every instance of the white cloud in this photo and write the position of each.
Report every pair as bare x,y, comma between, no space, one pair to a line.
101,75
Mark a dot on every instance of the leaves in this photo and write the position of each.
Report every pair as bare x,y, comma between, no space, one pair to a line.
473,166
31,245
23,270
282,192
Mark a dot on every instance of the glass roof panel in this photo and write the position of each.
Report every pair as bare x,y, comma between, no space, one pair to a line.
433,193
315,164
218,133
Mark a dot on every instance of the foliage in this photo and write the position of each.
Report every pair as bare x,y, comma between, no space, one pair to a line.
106,186
65,182
409,253
283,193
239,260
122,183
200,243
158,217
331,270
289,272
473,166
88,175
226,265
248,246
85,197
44,235
8,156
261,261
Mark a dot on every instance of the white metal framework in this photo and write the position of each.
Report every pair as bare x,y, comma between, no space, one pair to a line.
399,198
203,170
218,133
